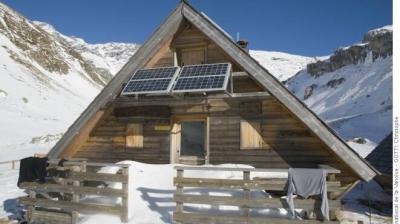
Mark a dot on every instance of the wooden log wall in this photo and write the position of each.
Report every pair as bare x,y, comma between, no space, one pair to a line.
107,142
288,142
189,37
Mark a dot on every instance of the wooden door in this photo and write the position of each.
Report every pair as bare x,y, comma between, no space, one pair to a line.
192,56
177,152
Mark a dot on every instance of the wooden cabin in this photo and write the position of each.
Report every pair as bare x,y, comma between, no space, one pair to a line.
255,120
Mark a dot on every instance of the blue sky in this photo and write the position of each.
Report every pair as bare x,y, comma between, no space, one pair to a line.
305,27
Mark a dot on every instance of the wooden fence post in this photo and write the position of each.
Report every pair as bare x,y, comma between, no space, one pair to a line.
331,195
125,188
75,197
246,192
31,208
179,190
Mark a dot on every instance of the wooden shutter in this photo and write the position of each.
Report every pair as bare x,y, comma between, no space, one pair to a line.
134,137
250,135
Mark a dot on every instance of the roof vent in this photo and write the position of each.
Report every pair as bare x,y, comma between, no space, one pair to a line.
243,44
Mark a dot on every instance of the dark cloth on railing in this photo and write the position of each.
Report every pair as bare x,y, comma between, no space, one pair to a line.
62,161
32,169
307,182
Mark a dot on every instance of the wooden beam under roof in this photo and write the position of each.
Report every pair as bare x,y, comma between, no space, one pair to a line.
171,101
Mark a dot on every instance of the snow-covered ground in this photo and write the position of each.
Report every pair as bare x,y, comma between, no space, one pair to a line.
46,81
37,107
282,65
153,189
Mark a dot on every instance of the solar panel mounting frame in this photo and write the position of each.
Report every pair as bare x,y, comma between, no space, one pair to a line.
227,77
167,91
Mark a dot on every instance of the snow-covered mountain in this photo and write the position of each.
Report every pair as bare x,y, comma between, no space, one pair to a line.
110,56
352,89
282,65
47,79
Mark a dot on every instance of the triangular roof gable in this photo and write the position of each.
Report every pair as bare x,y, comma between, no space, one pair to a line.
258,72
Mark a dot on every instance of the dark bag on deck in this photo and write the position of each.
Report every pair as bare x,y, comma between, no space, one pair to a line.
32,169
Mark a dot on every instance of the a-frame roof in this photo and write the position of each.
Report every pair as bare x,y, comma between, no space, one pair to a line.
165,33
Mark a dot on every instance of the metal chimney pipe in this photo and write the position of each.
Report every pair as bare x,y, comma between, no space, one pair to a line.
243,44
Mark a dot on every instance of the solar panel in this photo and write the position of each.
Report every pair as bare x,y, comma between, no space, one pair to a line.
203,78
155,73
204,70
207,82
154,80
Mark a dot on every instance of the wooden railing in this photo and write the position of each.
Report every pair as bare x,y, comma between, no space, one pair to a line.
79,179
13,163
245,202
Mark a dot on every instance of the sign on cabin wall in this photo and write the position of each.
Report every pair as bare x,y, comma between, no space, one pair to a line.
162,127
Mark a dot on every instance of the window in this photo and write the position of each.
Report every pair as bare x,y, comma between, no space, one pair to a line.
134,137
250,135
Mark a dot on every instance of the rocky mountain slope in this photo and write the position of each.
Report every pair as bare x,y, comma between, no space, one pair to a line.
352,89
46,80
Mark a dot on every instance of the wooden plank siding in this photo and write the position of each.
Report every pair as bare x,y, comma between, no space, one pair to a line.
288,143
110,146
190,38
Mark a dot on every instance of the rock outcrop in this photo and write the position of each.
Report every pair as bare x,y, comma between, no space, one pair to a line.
377,42
40,46
352,89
